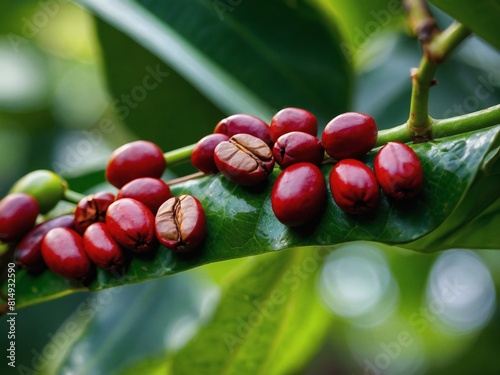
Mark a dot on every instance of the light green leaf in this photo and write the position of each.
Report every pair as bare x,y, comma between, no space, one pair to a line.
141,320
269,320
361,22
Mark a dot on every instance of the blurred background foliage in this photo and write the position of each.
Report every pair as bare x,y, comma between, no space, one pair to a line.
62,76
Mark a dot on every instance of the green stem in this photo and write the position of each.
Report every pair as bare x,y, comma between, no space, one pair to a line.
445,127
419,123
72,196
396,134
179,156
466,123
442,45
423,79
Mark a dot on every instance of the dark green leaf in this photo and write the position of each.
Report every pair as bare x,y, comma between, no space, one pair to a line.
167,110
240,221
481,16
219,60
269,320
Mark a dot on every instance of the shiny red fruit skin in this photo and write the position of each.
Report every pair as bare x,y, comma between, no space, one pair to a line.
296,147
101,248
202,157
349,135
292,119
18,213
132,225
134,160
150,191
28,252
92,209
398,171
354,187
299,194
63,252
244,124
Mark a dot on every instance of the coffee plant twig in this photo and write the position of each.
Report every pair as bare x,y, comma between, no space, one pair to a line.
445,127
468,122
420,19
436,50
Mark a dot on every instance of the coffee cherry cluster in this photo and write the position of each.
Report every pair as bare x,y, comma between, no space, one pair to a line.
244,149
106,230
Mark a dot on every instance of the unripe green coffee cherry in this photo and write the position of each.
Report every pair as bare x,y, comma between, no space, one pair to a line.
43,185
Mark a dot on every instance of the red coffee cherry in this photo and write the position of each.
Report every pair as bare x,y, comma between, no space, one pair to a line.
132,225
181,223
296,147
150,191
63,252
134,160
203,153
292,119
244,159
18,213
354,187
92,209
299,194
349,135
398,171
28,253
244,124
101,248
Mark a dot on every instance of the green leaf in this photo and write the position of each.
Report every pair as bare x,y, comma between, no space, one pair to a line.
480,16
149,366
361,21
472,223
240,221
148,327
219,61
269,320
168,109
